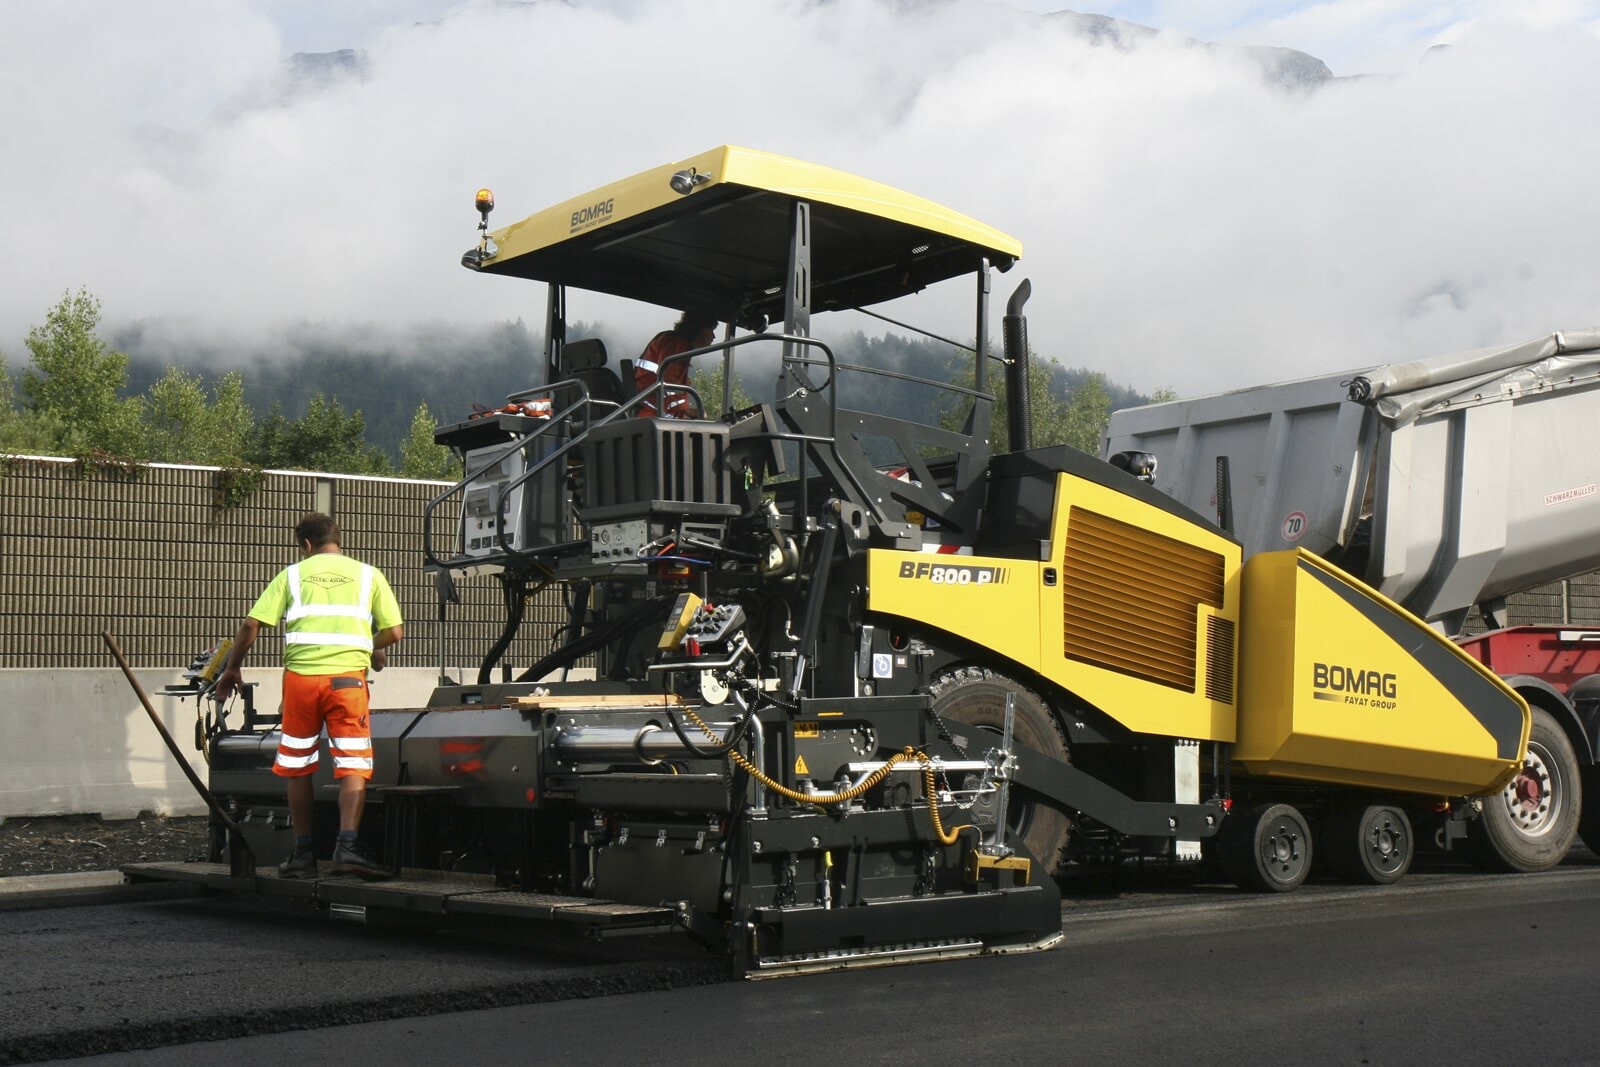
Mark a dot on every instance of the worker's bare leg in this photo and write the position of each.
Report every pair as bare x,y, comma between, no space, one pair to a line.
300,805
352,801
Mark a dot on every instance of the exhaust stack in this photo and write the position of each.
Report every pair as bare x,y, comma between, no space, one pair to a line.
1014,336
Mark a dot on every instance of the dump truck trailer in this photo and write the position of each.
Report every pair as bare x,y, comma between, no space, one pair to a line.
841,683
1447,484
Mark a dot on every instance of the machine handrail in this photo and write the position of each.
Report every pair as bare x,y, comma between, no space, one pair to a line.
584,404
564,416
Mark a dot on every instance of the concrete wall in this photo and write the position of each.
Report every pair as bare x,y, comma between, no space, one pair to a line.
79,742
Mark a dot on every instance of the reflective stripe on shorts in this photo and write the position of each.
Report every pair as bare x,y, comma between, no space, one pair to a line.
296,753
331,705
352,753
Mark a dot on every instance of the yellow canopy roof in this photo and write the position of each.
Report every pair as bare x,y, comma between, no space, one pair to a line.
718,237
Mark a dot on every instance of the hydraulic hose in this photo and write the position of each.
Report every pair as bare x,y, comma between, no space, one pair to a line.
596,639
735,734
945,837
515,591
844,796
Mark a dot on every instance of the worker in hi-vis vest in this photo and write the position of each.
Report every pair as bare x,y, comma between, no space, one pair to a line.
338,616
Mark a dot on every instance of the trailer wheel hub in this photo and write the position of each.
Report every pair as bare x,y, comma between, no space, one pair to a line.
1529,790
1529,796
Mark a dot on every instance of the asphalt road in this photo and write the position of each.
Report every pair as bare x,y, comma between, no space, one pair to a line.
1447,967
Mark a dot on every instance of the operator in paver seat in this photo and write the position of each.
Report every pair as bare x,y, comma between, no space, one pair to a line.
338,616
694,330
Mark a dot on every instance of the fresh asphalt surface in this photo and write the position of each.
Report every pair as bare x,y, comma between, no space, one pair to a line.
1450,966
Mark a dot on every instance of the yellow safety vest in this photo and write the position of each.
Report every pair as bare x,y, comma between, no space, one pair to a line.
344,618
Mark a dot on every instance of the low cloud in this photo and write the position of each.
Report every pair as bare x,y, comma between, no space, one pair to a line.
1186,221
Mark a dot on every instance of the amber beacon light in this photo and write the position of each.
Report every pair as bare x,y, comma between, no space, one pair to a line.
484,202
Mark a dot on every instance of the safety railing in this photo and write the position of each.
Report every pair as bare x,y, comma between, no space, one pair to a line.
569,426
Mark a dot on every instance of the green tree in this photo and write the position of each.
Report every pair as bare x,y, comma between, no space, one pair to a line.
1047,411
419,456
23,432
184,422
268,446
325,438
75,379
1051,417
1087,414
1078,419
708,382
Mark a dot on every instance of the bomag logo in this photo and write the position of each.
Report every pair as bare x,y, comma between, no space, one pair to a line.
1354,685
328,581
593,215
940,574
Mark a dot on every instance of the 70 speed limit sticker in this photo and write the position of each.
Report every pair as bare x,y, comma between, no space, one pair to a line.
1294,526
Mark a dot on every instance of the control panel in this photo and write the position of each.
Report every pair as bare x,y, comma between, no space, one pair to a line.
480,522
616,542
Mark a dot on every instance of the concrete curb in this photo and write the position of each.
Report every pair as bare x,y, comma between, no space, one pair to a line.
83,887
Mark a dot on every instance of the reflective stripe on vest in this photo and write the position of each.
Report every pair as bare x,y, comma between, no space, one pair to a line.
301,615
647,366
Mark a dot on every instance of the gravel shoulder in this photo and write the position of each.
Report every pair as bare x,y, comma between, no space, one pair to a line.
61,844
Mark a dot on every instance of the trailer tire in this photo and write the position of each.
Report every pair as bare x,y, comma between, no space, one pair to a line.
1266,848
976,697
1370,843
1530,824
1589,819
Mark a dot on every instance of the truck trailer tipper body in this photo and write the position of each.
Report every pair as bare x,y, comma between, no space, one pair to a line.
837,685
1447,484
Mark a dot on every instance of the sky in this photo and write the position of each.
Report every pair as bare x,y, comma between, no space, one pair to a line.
1185,223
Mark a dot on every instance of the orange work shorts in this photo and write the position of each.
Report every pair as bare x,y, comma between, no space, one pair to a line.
312,701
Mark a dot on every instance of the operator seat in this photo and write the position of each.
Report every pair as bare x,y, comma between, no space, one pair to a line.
586,361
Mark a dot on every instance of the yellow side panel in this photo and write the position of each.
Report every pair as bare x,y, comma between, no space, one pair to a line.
1342,685
993,602
1136,610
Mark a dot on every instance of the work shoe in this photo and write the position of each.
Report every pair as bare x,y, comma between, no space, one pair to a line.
302,863
355,859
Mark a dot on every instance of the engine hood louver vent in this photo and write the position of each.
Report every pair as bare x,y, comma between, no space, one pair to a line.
1130,599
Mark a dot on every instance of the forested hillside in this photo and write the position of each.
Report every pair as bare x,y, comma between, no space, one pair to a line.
451,371
369,402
